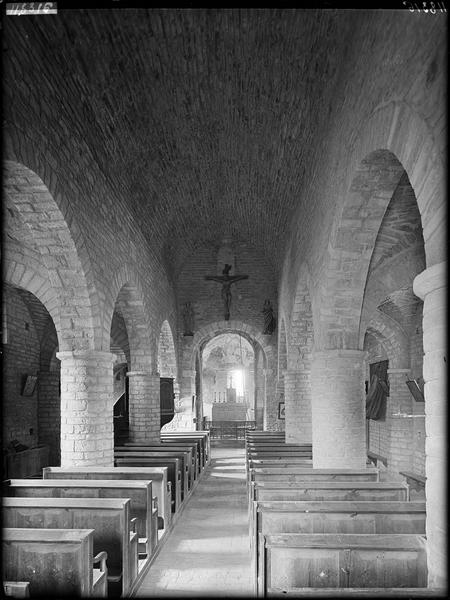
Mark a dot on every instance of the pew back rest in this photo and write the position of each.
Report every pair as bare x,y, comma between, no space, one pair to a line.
347,560
56,563
296,473
109,518
138,492
327,491
157,477
340,517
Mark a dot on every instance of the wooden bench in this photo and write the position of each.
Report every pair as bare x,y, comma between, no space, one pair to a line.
417,482
202,436
55,562
328,490
174,467
399,592
376,458
299,474
196,450
142,506
16,589
342,561
183,457
186,452
271,518
108,517
160,487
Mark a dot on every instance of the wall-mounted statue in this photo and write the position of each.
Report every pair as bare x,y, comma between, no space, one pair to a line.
226,280
188,318
269,318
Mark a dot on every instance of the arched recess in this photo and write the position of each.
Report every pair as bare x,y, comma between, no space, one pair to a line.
167,369
261,346
351,246
130,331
30,343
34,220
366,191
298,377
126,307
167,360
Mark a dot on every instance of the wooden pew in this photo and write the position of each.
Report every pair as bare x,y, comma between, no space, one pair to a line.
158,476
299,474
108,517
16,589
188,453
273,518
342,561
417,482
174,467
158,452
329,490
196,450
203,436
55,562
398,592
142,506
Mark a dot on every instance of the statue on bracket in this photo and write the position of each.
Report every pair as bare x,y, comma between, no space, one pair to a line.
188,318
269,318
226,280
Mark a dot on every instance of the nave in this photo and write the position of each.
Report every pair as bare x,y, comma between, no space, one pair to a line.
207,553
218,220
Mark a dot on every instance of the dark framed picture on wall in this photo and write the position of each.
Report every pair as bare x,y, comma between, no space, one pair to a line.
281,410
29,385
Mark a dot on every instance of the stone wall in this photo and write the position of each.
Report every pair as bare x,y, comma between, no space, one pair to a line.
21,358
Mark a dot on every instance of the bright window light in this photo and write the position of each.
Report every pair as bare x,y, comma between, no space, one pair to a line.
238,381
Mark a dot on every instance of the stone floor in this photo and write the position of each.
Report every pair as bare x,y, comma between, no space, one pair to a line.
207,553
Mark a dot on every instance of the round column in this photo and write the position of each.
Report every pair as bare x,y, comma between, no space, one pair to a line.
87,430
144,407
338,409
431,286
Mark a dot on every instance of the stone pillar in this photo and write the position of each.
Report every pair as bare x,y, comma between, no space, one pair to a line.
87,436
431,286
298,409
399,410
279,424
270,410
338,409
144,407
259,398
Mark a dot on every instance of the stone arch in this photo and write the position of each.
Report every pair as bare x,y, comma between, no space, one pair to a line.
259,342
389,333
127,300
206,333
367,191
35,218
167,360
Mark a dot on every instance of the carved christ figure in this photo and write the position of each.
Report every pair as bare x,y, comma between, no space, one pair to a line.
226,280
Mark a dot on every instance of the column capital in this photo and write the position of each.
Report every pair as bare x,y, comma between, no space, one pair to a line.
433,278
86,356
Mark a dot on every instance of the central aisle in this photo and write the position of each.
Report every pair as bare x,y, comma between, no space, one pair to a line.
207,552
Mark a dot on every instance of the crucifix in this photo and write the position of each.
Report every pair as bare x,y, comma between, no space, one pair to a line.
226,280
